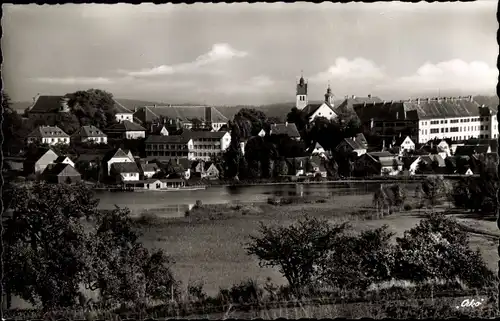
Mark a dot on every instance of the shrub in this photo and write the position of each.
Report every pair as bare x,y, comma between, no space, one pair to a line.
195,292
296,250
438,248
358,261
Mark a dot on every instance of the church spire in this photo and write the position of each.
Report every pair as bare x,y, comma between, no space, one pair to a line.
329,95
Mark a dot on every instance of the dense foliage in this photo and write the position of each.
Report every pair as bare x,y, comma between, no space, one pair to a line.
57,241
314,251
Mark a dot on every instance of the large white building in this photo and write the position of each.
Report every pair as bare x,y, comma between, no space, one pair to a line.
455,118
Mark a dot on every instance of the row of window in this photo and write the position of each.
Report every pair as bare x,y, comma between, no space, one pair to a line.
455,129
302,98
454,121
459,138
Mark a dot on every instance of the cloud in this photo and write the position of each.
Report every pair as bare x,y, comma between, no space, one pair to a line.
74,80
219,52
253,85
345,69
452,75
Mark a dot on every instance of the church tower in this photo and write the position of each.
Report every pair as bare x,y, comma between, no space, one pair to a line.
301,101
329,96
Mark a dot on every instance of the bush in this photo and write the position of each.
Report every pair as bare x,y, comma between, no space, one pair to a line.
297,250
438,248
245,292
195,292
358,261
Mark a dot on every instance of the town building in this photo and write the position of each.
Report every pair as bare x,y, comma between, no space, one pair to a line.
61,173
311,111
182,116
46,108
125,172
455,118
37,160
126,130
116,156
190,144
64,160
50,135
90,134
287,129
122,113
356,144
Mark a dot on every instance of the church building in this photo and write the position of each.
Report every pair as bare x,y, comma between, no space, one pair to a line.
324,109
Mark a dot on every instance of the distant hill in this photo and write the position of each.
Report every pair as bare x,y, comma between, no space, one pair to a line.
20,106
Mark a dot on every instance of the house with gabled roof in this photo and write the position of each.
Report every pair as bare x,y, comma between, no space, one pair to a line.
159,129
37,160
122,113
356,144
125,172
61,173
90,134
181,166
316,166
126,130
317,149
147,170
117,155
287,129
50,135
210,171
64,160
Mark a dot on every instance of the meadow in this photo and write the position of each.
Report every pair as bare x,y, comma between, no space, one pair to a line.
208,245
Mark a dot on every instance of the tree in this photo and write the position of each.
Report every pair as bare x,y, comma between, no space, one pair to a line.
257,119
93,107
433,189
13,129
51,250
297,117
297,260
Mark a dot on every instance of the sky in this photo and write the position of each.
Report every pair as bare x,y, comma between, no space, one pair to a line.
251,54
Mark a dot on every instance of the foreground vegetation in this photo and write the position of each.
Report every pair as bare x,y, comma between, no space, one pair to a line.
373,269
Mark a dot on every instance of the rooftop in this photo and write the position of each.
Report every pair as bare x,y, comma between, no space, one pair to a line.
125,167
183,113
47,104
48,131
420,109
90,131
288,129
125,126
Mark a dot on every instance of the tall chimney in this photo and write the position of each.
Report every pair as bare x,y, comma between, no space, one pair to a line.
353,97
286,124
177,161
369,95
470,98
418,101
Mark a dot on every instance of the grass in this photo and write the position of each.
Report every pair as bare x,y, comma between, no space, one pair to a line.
208,245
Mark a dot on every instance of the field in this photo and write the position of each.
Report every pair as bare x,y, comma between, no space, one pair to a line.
208,245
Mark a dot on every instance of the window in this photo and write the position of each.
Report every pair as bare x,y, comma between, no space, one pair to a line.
454,129
446,129
486,127
486,136
482,127
442,130
434,130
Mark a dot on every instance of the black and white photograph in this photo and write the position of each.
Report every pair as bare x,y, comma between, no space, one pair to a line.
250,161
